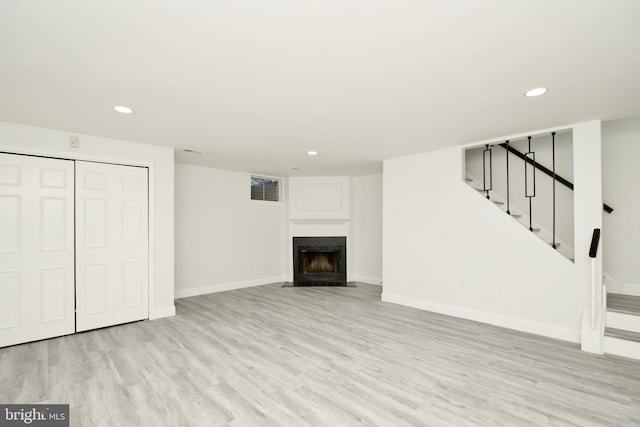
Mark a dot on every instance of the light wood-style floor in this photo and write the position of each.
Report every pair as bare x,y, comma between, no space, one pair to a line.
620,303
320,356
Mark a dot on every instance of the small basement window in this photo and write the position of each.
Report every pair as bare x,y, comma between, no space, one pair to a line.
265,188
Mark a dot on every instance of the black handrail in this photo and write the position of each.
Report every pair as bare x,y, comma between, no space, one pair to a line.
540,167
595,239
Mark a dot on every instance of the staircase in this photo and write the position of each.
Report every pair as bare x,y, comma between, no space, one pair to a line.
521,186
612,322
622,332
522,218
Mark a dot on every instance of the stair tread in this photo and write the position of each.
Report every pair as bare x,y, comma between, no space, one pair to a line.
622,334
627,304
498,202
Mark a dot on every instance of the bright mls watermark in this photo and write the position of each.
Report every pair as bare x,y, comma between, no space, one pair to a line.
34,415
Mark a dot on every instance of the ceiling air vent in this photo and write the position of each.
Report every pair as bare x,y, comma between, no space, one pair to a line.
192,150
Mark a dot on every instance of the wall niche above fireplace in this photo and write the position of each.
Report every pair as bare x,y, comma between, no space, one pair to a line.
319,260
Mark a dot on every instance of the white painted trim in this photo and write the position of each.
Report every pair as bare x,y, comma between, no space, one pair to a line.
220,287
592,340
485,317
72,155
159,313
631,289
368,280
622,347
616,287
613,285
151,238
627,322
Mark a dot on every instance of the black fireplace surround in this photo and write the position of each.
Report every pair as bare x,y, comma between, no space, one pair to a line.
319,260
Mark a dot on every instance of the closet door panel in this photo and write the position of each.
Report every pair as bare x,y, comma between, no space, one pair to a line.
53,291
10,303
10,225
111,244
132,297
36,249
53,223
96,293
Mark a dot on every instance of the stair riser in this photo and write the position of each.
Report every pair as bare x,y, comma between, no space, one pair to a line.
628,322
623,348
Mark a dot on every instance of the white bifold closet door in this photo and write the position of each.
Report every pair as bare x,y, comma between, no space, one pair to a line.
36,248
112,245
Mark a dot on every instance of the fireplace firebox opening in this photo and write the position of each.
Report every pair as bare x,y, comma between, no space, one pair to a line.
319,260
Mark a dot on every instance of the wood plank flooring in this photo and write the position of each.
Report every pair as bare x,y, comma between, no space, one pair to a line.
620,303
318,357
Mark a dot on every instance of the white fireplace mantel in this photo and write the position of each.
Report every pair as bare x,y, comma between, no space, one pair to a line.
318,207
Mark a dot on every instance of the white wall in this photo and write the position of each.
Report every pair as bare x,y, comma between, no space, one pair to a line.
224,240
621,229
41,141
366,229
448,250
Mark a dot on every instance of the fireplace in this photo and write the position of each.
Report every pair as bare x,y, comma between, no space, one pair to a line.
319,260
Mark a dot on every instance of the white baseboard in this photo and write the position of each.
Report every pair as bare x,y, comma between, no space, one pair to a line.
220,287
485,317
613,286
631,289
624,289
159,313
368,279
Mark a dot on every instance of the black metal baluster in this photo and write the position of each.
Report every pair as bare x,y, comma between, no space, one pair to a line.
553,157
508,209
608,209
532,159
487,153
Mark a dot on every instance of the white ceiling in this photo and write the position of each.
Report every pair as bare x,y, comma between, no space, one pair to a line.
256,84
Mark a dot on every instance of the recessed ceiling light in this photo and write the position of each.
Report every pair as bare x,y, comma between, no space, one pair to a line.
312,153
122,109
536,92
